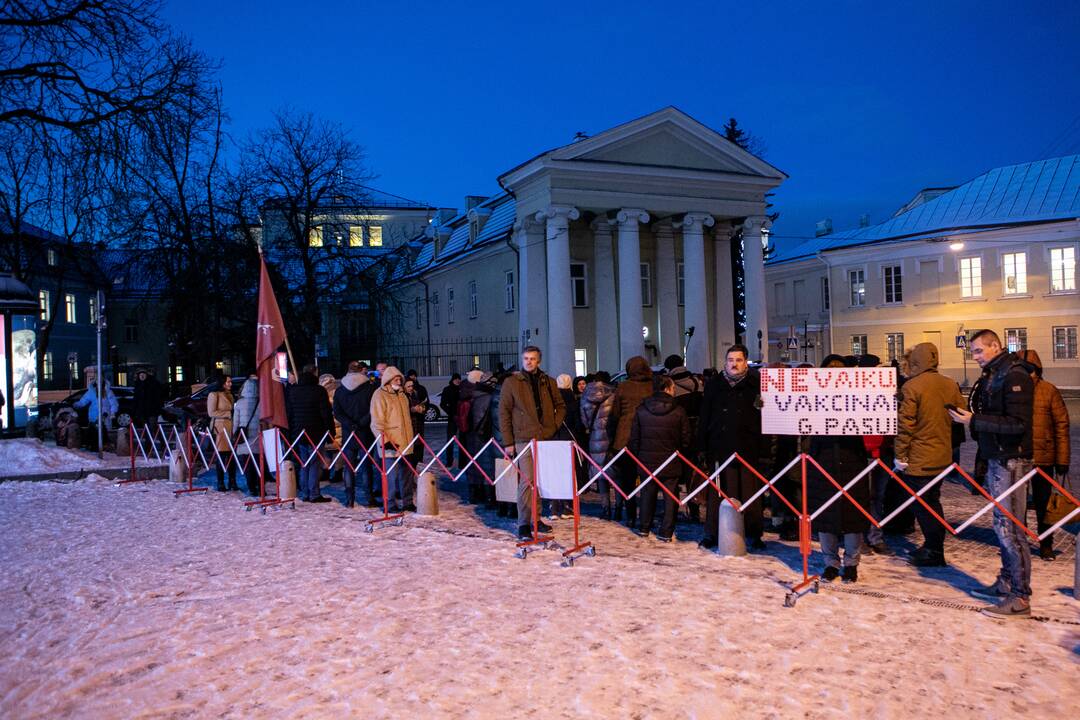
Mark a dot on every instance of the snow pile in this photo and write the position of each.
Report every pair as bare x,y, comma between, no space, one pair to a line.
125,602
30,456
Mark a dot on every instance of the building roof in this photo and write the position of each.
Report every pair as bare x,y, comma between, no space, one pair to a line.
1034,192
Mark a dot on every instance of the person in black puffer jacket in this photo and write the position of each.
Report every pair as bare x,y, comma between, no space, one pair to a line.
352,408
660,427
308,407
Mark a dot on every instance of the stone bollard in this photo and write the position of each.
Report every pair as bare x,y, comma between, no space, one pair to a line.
730,535
177,468
286,478
123,447
427,495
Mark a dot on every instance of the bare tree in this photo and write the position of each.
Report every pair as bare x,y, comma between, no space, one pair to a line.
84,64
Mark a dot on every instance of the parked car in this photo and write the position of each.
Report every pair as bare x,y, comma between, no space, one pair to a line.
193,407
434,412
125,397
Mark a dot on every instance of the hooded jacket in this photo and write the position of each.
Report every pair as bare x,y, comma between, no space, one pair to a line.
390,413
1003,409
628,395
246,415
518,420
596,404
660,427
147,400
924,432
1049,418
352,407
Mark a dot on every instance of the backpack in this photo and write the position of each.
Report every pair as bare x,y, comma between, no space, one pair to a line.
461,420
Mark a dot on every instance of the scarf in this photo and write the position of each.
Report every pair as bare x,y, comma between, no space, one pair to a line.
734,380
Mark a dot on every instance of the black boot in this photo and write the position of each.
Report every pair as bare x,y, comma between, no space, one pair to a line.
350,496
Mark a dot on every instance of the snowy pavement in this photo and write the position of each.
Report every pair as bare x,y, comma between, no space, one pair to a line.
123,602
22,457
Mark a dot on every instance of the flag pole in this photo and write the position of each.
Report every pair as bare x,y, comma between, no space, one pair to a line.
288,348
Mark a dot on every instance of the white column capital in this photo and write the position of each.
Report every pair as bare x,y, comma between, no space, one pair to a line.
528,223
633,216
755,224
559,213
697,221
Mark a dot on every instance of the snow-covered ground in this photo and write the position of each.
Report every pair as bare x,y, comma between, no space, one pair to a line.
29,456
123,602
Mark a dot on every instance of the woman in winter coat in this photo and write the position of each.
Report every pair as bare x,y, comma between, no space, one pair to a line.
596,404
628,396
219,408
333,445
246,419
1050,444
478,391
843,457
661,427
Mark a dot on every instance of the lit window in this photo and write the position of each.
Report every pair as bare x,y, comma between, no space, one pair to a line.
69,307
93,311
508,292
375,236
178,373
1016,339
449,305
857,281
47,366
680,283
825,293
971,277
1062,269
121,378
356,236
892,276
579,285
314,237
1065,343
45,302
646,284
894,346
1014,268
73,366
53,259
858,344
436,315
580,364
474,305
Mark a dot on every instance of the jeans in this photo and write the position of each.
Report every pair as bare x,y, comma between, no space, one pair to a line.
310,473
879,485
525,479
1015,551
932,530
830,548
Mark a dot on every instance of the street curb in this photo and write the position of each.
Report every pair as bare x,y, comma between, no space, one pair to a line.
151,472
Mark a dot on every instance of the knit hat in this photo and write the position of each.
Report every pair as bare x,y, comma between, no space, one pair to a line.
475,376
564,381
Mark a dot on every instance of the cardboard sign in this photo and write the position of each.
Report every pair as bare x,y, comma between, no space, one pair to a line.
506,487
272,450
829,401
556,473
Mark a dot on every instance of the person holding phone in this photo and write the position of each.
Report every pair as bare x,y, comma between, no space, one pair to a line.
924,444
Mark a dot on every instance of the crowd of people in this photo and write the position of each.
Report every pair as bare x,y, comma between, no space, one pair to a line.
1017,419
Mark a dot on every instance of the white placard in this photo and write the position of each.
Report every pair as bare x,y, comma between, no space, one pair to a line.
828,401
556,469
272,450
506,487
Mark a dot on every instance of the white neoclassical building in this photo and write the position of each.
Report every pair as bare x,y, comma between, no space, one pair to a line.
609,247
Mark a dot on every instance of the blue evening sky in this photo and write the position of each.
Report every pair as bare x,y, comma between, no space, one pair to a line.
861,103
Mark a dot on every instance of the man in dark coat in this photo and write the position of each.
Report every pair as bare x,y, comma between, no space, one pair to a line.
660,428
730,422
308,409
147,401
352,408
1001,422
479,390
628,395
448,401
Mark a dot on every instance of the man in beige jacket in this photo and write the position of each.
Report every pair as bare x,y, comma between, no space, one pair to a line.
530,408
390,419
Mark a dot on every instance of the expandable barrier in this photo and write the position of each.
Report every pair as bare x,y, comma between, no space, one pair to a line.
387,451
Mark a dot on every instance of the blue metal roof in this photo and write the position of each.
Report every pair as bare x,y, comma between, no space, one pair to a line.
1039,191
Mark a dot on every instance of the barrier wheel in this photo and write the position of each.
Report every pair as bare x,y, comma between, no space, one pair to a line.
568,562
369,528
400,522
790,600
815,587
263,509
247,508
521,553
590,551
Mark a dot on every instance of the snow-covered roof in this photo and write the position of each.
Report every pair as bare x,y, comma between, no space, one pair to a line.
1034,192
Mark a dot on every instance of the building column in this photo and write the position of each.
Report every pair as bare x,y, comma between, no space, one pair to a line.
631,342
531,282
559,350
757,313
696,304
669,334
725,291
607,326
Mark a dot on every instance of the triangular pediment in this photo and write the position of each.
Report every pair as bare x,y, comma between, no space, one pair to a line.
667,138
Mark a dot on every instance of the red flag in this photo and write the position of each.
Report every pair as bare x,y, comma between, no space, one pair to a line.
269,335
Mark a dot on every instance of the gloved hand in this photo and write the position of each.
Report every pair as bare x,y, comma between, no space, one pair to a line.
900,465
1061,470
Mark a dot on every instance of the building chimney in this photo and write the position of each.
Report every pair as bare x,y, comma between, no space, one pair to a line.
864,220
472,201
824,227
